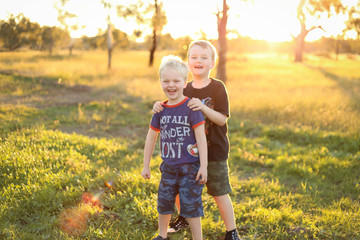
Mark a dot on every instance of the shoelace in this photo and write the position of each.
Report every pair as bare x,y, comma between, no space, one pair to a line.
177,223
234,236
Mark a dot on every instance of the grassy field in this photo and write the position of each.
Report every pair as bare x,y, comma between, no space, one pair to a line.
72,136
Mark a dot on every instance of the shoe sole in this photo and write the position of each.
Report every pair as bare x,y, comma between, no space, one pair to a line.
172,230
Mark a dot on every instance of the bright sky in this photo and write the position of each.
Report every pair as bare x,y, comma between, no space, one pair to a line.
273,20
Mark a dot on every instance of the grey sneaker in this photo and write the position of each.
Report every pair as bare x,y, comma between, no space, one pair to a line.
177,224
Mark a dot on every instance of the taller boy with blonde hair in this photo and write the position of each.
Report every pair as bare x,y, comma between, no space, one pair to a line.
209,96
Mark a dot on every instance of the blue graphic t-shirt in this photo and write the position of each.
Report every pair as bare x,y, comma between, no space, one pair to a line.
176,124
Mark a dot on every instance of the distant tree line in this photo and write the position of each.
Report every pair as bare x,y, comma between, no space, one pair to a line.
19,32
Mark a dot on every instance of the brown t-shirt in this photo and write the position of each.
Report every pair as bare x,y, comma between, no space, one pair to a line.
214,96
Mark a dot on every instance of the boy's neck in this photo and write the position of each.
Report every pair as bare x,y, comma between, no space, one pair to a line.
171,102
200,82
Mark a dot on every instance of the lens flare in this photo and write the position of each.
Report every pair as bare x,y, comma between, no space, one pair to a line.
108,184
73,221
92,200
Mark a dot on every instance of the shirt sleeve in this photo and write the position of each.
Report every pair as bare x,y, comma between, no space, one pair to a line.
222,100
155,122
196,118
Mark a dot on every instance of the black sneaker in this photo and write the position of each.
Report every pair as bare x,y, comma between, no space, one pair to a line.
177,224
232,235
160,238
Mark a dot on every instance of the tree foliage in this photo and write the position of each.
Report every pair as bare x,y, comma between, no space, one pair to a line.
17,31
148,16
53,36
354,19
67,21
314,8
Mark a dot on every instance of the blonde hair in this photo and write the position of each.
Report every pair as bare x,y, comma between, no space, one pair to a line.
174,63
206,45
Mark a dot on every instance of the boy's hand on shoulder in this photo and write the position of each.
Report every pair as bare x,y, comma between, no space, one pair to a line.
146,173
195,104
202,175
157,107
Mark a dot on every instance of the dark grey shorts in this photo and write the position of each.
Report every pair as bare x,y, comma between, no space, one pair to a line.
180,180
218,183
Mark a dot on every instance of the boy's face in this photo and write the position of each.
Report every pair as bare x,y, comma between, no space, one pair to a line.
173,85
200,61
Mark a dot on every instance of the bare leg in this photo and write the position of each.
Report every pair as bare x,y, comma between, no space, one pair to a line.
163,224
226,211
195,226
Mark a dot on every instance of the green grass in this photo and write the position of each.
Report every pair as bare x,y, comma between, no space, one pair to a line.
70,127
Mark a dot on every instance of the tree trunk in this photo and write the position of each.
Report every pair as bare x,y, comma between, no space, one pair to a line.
299,48
51,48
299,44
222,43
152,49
154,42
338,41
110,43
71,46
109,57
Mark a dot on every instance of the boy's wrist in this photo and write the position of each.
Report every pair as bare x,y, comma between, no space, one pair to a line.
203,108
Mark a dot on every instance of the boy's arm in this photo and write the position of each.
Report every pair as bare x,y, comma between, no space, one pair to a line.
202,147
216,117
148,151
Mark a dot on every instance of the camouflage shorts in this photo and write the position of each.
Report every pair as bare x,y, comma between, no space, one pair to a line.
180,180
218,183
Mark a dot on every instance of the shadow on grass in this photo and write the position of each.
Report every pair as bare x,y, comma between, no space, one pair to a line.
11,60
92,111
334,142
53,57
13,81
326,165
350,87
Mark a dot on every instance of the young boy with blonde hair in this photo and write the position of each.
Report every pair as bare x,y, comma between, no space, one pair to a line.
183,150
209,96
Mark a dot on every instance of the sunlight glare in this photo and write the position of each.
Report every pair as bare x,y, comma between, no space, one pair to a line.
261,19
266,20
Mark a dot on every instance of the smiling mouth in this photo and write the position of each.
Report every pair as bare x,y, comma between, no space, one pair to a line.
198,67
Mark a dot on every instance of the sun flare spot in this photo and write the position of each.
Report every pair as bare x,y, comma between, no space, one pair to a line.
73,221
